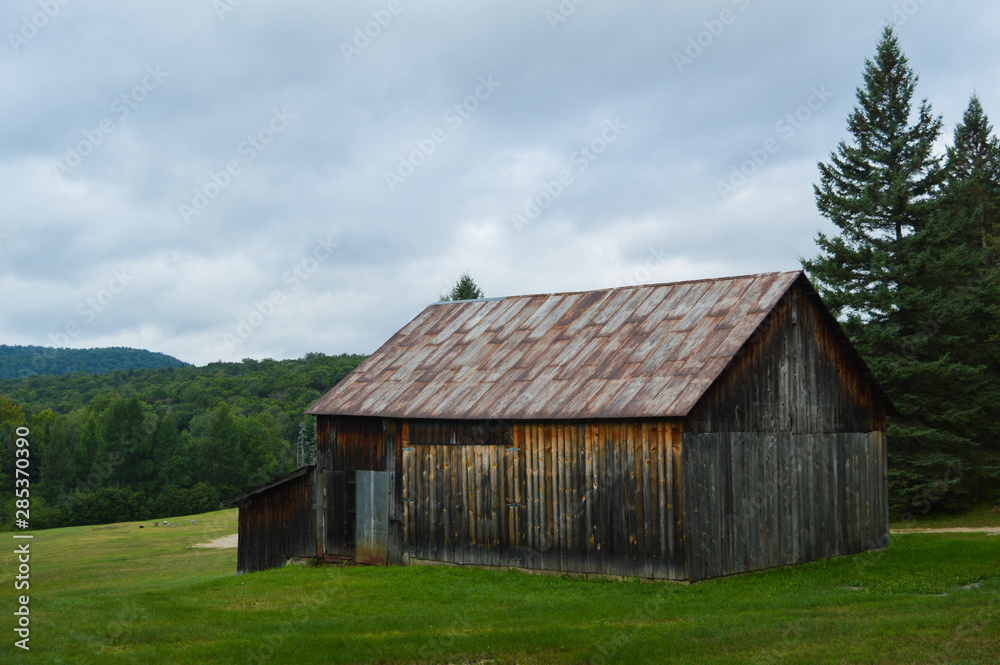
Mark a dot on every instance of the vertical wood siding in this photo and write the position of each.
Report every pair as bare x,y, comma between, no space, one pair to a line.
785,457
345,445
350,443
591,497
276,525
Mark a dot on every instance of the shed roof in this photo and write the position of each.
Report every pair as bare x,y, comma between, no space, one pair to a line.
242,497
640,351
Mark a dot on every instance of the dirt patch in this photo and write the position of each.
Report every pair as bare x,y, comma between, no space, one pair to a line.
992,530
222,543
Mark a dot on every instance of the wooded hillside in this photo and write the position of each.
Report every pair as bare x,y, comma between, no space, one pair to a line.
21,361
139,444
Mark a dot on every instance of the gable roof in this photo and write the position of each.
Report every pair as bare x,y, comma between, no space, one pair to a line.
640,351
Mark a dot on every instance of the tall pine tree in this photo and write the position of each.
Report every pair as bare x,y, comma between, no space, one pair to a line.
973,182
876,190
878,274
950,378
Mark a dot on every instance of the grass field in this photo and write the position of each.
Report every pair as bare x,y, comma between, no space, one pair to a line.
121,594
988,516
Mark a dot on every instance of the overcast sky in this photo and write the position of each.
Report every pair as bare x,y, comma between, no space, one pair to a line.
222,179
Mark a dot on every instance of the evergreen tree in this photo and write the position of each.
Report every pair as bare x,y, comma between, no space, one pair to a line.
218,456
880,192
256,459
909,275
950,379
56,460
973,181
465,289
90,472
876,190
127,444
166,441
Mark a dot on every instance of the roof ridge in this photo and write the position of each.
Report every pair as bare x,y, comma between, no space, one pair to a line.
618,288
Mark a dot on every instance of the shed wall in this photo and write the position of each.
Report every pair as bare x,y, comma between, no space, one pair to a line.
276,525
785,457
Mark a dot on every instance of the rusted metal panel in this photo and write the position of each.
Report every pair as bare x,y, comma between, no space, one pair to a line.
372,517
520,357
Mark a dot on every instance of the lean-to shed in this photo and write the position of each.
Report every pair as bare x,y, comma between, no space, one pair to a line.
277,521
678,431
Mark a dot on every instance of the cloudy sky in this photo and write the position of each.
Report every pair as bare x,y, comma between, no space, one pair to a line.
222,179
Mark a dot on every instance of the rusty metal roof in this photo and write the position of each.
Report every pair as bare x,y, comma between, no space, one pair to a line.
640,351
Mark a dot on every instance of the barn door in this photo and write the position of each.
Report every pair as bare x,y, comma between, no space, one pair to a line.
372,530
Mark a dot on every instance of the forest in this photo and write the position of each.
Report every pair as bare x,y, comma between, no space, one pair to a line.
142,444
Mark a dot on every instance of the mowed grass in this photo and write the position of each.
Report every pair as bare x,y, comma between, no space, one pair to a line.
982,516
129,595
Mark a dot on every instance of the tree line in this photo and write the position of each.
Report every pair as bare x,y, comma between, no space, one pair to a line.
912,273
144,444
21,361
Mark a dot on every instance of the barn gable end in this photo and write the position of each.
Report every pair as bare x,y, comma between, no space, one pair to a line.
786,456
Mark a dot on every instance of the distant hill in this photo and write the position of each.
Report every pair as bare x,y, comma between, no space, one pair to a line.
21,361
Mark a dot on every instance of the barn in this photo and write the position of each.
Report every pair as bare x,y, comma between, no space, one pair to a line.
676,431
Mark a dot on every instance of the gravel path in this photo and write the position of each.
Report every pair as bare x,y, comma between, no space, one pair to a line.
992,530
222,543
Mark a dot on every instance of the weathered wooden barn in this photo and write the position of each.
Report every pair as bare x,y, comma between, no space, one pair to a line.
677,431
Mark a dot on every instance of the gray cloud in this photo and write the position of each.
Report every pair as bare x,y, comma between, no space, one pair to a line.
646,208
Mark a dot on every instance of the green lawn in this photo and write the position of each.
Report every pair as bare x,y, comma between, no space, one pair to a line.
122,594
977,517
